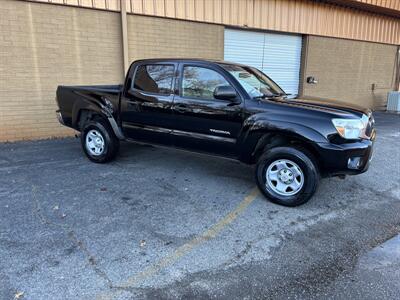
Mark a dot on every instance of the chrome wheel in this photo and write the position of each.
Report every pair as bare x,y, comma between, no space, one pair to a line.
284,177
94,142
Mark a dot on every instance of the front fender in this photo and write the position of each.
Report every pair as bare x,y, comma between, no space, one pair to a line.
256,128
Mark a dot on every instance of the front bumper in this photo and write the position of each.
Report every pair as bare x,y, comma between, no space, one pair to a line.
346,159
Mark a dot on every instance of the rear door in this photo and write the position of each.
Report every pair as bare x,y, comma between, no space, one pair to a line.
202,122
146,105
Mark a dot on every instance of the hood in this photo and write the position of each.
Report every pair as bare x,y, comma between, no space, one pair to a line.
315,102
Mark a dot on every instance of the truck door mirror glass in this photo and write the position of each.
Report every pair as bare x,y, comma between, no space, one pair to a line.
225,92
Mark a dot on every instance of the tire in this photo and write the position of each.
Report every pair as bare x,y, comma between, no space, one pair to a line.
107,146
292,178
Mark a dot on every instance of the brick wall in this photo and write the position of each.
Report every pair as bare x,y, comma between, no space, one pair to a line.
42,46
150,37
346,70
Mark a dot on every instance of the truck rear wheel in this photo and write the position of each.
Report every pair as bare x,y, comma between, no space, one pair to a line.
287,176
99,141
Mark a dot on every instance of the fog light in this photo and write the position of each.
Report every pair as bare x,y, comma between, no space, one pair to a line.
354,163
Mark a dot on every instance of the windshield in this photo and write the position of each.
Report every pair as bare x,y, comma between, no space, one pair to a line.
253,81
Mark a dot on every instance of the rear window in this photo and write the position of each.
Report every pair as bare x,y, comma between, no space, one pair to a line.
154,78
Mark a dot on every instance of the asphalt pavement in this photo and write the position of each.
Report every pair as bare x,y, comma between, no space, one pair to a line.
162,223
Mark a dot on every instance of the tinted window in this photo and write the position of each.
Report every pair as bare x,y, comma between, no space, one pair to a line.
154,78
201,82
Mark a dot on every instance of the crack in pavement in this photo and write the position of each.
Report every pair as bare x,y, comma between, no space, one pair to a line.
181,251
131,288
239,256
72,237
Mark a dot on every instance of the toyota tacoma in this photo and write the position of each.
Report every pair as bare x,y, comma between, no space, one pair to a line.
226,109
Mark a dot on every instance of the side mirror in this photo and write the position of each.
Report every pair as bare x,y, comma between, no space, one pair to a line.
225,92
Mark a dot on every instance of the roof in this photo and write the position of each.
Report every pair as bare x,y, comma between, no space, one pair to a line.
200,60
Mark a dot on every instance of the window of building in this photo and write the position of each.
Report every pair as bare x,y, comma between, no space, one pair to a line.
201,82
154,78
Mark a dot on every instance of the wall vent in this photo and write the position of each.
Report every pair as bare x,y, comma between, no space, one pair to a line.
393,103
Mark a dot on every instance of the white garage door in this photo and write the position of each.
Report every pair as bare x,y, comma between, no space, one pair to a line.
277,55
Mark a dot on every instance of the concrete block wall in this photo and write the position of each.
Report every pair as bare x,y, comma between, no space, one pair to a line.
42,46
151,37
347,69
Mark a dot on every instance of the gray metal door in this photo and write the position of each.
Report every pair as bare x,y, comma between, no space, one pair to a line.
277,55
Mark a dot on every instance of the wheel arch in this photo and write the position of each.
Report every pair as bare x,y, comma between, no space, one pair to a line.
85,114
279,139
260,131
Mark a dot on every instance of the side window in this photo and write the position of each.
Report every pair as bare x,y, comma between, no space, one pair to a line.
154,78
198,82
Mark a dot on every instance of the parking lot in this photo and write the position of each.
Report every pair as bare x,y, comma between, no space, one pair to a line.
164,223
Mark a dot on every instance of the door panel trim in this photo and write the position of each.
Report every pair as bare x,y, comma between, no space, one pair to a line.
202,136
148,128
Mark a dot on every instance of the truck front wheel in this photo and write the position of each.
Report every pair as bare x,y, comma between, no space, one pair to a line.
99,141
287,176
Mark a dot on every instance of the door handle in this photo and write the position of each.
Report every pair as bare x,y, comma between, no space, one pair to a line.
181,108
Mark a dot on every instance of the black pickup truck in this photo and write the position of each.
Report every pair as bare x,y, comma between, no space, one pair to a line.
226,109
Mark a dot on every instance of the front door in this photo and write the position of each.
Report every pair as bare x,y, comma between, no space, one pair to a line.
146,106
203,122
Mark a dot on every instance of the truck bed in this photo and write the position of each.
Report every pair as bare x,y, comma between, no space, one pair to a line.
72,99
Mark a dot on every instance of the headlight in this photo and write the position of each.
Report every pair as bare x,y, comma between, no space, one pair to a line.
349,128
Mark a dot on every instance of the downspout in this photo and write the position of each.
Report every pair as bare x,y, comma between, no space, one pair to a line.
397,78
124,27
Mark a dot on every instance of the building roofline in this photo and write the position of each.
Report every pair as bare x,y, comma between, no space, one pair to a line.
366,6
